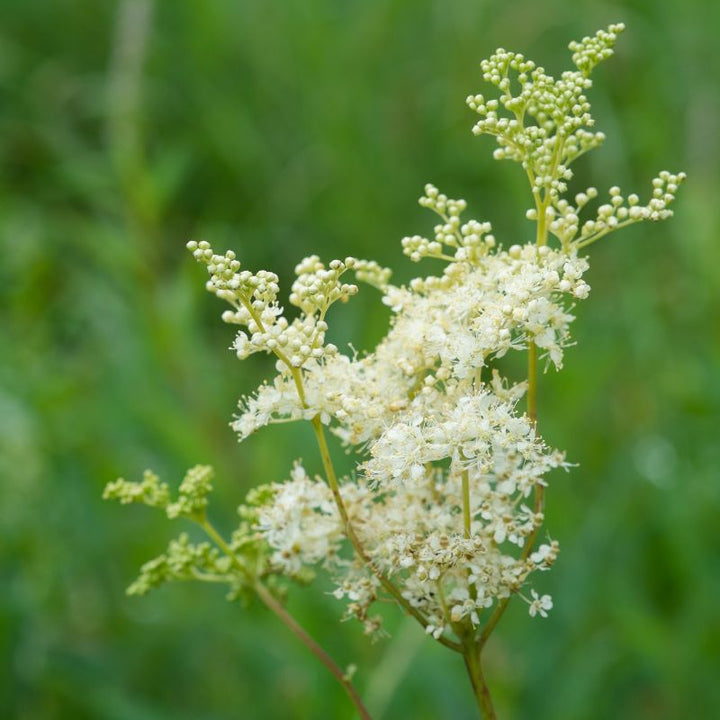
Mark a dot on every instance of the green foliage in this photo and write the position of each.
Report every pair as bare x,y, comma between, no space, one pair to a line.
182,561
192,495
150,491
309,129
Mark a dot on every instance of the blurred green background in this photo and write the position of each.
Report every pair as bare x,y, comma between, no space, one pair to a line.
285,128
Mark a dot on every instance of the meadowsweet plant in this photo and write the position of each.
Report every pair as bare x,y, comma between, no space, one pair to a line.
444,513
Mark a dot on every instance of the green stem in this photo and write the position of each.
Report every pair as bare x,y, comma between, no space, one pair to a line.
542,230
272,604
219,540
467,519
601,233
473,664
276,607
532,384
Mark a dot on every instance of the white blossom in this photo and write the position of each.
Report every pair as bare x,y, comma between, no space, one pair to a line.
540,605
302,523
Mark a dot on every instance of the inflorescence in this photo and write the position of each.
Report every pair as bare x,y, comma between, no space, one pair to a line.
442,513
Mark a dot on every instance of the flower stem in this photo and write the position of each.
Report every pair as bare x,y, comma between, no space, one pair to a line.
276,607
473,663
532,384
467,518
272,604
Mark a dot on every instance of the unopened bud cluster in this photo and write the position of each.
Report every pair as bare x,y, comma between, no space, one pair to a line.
192,495
317,287
564,222
468,241
545,125
254,300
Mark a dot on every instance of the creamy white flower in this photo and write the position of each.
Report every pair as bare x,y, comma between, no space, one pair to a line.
540,605
301,523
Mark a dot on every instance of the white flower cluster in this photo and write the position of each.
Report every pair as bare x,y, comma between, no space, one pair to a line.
442,505
456,556
302,523
408,510
473,313
446,328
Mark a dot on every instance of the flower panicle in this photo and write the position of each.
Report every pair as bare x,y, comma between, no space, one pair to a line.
443,512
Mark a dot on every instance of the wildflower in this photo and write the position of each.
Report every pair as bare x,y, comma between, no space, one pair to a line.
540,605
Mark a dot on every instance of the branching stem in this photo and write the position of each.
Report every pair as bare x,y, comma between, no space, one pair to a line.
277,608
473,664
272,604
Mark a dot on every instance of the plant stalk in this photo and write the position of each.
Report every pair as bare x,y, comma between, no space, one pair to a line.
473,664
272,604
276,607
467,515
